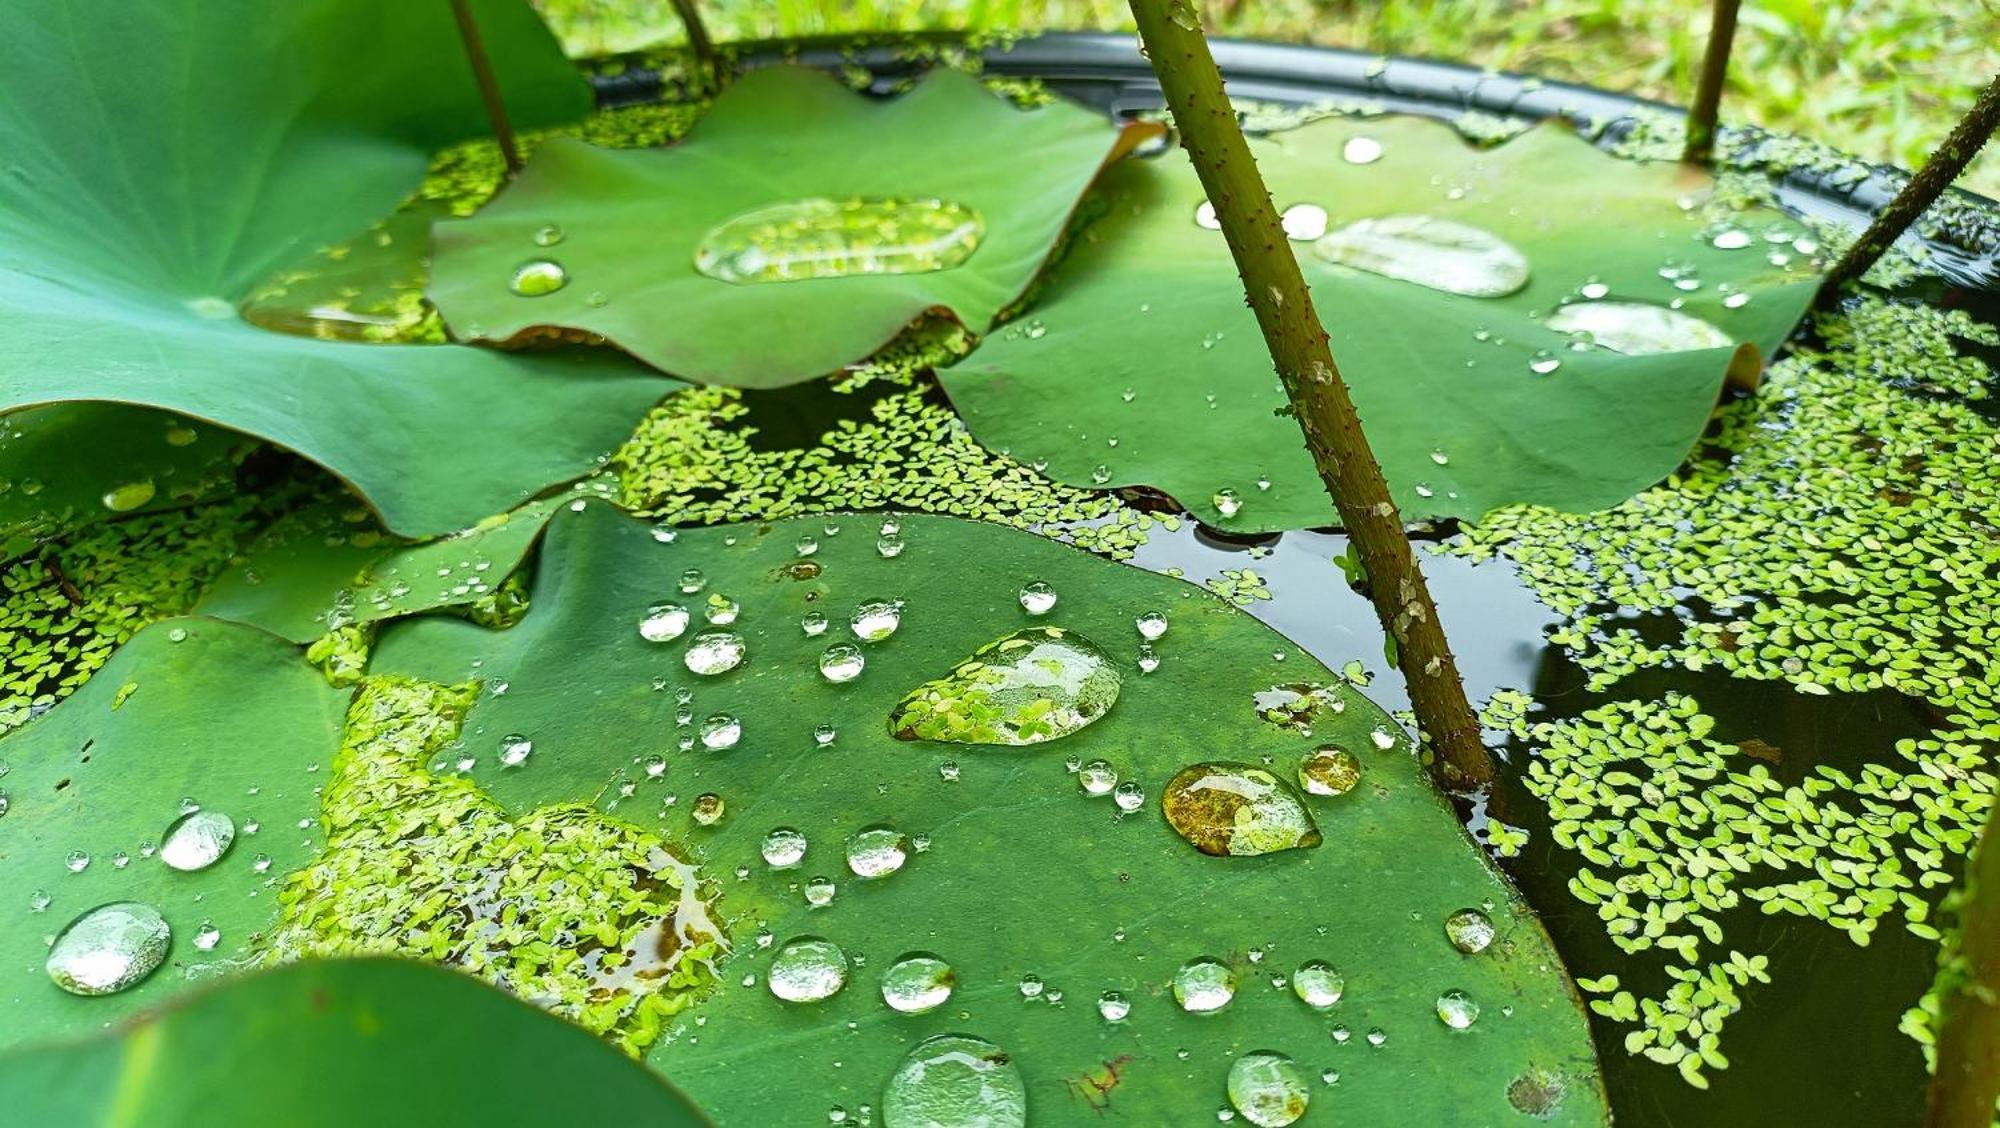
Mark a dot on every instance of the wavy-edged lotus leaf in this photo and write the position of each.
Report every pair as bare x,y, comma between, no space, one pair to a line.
1139,365
412,1042
187,159
1040,896
225,716
67,465
787,165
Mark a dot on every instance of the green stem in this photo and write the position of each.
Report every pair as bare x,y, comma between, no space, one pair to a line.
1925,186
1701,117
1967,1082
698,40
1171,33
489,89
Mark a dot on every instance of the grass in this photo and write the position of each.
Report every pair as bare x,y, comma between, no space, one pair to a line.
1883,79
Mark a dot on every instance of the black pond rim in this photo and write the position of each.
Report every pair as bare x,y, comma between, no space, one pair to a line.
1107,71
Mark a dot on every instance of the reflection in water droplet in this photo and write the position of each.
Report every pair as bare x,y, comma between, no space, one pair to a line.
515,749
129,496
714,652
813,623
1318,984
1457,1010
1361,150
917,982
807,970
1038,597
1036,684
1268,1088
877,851
784,847
1113,1006
1204,985
1096,778
1543,362
708,809
1129,796
721,732
1329,770
953,1081
819,892
1237,810
721,610
108,949
1204,216
873,622
1443,254
841,663
823,238
693,580
548,235
1469,930
207,937
1638,329
1227,502
1151,625
1303,222
197,840
664,622
538,277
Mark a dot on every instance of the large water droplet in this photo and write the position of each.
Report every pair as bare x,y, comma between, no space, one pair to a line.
1318,984
842,663
952,1081
1204,985
1457,1010
1237,810
1268,1088
1638,329
1469,930
823,238
1443,254
1097,778
537,277
1038,597
784,847
877,851
1329,770
515,749
1151,625
1033,685
664,622
807,970
130,496
720,732
1361,150
197,840
1303,222
1227,502
714,652
1113,1006
108,949
873,622
708,809
917,982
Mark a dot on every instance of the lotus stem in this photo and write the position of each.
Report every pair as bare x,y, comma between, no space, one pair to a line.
1926,185
1967,1081
1701,117
1171,33
489,88
698,40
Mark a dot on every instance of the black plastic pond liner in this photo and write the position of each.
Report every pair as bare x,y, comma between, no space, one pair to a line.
1108,72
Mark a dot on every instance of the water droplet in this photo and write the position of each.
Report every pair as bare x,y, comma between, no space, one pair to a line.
1303,222
948,771
1204,985
664,622
824,734
656,766
877,851
1329,770
1129,796
1038,597
807,969
889,545
261,863
841,663
1361,150
548,235
1638,329
1457,1010
1731,239
207,937
197,840
1032,987
708,809
1237,810
806,546
129,496
1339,1035
813,623
819,892
1543,362
1377,1037
873,622
693,580
1227,502
714,652
537,277
1453,257
917,982
1036,684
1204,216
1100,474
721,732
1318,984
954,1080
1736,301
1151,625
1268,1088
514,750
824,238
1096,778
1149,659
1469,930
77,861
108,949
721,610
1113,1006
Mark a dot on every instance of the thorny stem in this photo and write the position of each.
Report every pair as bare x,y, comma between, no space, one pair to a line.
1701,117
1925,186
1967,1081
1277,293
63,582
489,89
698,41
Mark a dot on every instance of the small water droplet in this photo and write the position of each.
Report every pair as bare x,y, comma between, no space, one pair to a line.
1377,1037
664,622
548,235
1730,239
877,851
261,863
108,949
129,496
515,749
1204,985
197,840
1361,150
1113,1006
207,937
721,610
807,969
1038,597
917,982
1032,986
842,662
1227,502
877,620
1129,796
1204,216
714,652
1543,362
1469,930
1318,984
1303,222
708,809
77,861
1237,810
538,277
824,734
948,771
889,545
1457,1010
952,1080
1151,625
721,732
1149,659
819,892
1329,770
1268,1088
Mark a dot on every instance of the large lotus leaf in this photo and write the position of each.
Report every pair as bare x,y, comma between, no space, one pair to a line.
1141,365
190,709
1012,871
194,147
72,464
631,222
331,1045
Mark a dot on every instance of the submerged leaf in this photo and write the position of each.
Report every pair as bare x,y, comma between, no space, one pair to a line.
1033,685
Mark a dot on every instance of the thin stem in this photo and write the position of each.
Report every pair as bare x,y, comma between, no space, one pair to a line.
1708,91
698,40
1298,344
1967,1081
1925,186
489,89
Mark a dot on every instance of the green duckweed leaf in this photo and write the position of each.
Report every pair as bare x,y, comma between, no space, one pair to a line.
630,223
1142,337
1011,874
187,159
415,1043
190,709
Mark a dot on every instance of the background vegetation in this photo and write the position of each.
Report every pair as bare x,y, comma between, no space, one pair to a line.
1883,79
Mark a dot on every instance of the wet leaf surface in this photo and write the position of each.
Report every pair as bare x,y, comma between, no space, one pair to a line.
788,163
1140,365
1054,903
